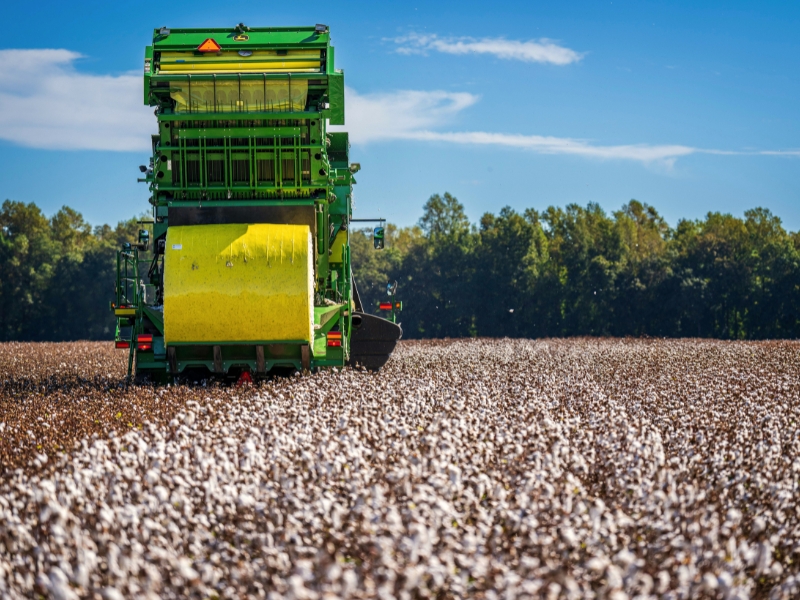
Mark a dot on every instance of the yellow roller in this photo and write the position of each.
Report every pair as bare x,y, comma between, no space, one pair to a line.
259,61
255,55
238,283
278,67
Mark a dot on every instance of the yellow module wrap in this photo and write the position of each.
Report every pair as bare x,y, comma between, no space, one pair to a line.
238,283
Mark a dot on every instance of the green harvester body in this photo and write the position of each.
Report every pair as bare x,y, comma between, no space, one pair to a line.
243,139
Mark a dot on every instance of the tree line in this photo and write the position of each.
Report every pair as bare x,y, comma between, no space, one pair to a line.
557,272
580,271
57,274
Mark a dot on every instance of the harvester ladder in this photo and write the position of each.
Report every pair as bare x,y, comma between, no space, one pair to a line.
128,294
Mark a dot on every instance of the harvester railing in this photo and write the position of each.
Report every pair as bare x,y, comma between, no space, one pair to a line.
127,278
127,305
284,162
131,296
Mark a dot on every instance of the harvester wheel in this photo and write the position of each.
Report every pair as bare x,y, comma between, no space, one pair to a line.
148,377
142,379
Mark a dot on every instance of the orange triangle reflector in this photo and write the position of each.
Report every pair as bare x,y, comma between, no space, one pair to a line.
209,46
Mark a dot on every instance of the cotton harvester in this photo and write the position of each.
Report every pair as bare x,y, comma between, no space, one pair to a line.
247,268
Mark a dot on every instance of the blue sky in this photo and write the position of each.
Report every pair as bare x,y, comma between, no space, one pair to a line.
688,106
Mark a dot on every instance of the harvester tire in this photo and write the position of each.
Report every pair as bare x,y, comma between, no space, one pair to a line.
148,377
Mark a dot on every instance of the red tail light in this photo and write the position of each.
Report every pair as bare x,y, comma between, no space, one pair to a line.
386,306
335,339
144,341
122,344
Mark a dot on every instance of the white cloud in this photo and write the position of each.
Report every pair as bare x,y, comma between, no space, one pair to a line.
555,145
779,153
416,115
374,117
46,103
540,51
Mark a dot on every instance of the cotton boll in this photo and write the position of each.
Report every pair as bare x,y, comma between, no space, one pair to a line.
186,571
111,593
759,524
613,578
152,477
58,585
597,564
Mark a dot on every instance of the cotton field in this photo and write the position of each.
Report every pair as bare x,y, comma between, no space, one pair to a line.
485,468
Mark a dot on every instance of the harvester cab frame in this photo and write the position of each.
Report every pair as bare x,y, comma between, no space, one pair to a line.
246,267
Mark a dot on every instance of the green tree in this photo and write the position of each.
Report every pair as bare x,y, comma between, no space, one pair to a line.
587,248
28,257
644,303
775,270
56,275
437,272
444,217
713,260
509,258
